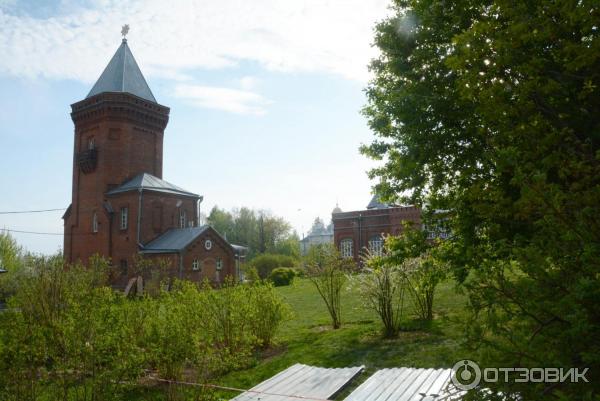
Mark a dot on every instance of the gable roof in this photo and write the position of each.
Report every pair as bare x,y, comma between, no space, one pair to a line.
122,74
151,183
177,239
174,240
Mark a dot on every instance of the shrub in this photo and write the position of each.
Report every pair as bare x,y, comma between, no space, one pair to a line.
383,290
327,270
268,312
282,276
266,262
423,274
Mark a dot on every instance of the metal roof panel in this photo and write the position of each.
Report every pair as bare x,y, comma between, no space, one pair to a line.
406,384
122,74
301,381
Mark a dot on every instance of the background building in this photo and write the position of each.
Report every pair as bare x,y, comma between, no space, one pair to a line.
318,234
355,231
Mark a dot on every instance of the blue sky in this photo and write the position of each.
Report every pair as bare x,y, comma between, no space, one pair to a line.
265,100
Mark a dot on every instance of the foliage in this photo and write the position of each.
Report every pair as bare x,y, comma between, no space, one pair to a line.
327,270
250,273
423,274
268,311
421,264
282,276
11,260
265,263
491,109
383,289
67,336
258,230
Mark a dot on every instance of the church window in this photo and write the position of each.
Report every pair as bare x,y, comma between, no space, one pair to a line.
219,264
346,246
124,218
95,222
91,144
196,265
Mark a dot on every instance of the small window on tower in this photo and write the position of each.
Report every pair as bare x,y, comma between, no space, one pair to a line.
124,218
91,144
182,219
95,223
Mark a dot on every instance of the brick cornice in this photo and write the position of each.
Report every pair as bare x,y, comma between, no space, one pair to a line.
120,106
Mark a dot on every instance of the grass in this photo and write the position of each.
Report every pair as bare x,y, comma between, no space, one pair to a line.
308,338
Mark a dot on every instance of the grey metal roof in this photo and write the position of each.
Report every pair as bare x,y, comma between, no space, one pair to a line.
174,240
151,183
308,382
376,203
122,74
406,384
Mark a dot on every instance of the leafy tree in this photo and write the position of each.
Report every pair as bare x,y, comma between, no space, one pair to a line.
491,109
258,230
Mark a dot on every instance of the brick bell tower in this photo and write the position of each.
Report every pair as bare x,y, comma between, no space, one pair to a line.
119,130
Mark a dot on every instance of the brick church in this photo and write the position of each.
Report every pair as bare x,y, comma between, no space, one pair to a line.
121,207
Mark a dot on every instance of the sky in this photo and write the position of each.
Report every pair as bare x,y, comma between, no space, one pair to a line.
265,99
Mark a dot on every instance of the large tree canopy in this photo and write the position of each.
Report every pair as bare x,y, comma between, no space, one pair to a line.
491,109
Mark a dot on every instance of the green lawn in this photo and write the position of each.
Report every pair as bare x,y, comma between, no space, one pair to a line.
308,338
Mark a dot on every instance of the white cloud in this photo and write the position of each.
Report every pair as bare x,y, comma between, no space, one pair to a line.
331,36
226,99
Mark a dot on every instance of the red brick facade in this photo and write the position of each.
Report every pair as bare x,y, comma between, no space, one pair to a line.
124,134
119,137
362,229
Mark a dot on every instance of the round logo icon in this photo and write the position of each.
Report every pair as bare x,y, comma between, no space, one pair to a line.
466,374
208,244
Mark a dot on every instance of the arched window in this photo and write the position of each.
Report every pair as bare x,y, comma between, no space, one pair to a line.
91,144
94,223
376,245
346,247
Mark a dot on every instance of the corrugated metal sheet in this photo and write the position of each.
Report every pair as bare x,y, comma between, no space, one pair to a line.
406,384
307,383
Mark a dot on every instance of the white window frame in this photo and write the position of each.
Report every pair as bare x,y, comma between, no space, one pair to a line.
124,218
95,222
196,265
376,245
219,264
347,248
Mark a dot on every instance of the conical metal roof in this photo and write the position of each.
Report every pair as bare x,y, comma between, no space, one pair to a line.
122,74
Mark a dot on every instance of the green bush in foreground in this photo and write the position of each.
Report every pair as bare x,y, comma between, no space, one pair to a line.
67,336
